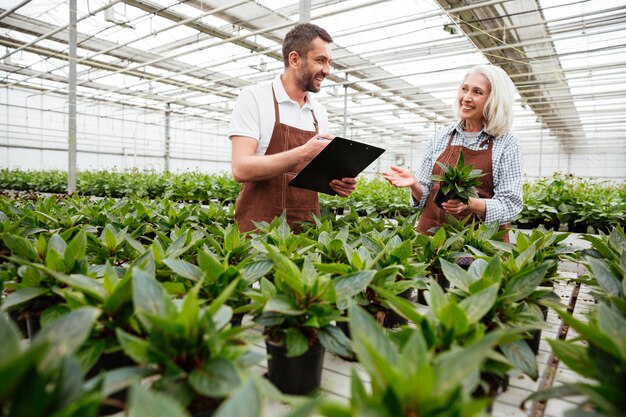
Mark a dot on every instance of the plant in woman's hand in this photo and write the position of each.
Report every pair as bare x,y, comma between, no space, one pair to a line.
457,181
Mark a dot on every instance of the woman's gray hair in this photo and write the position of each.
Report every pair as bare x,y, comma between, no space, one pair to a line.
498,111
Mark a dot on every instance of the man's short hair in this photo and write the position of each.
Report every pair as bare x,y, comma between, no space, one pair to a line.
300,38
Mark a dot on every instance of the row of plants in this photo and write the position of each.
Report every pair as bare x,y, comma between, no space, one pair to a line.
560,201
165,283
598,352
575,203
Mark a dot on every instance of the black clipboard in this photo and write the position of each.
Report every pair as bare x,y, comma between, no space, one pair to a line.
341,158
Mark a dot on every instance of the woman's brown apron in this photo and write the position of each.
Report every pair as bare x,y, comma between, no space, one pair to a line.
433,216
264,200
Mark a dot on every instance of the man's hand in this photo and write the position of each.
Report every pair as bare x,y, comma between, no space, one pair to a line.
344,186
400,177
314,146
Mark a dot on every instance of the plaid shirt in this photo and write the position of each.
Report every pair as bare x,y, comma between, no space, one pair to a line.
506,165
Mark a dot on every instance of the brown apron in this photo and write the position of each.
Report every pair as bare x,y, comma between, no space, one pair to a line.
264,200
433,216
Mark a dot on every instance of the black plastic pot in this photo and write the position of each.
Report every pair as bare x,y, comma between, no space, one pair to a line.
440,198
393,319
20,320
109,362
33,323
578,227
443,283
491,386
301,375
237,319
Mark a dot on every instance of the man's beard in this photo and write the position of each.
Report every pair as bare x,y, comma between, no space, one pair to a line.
306,82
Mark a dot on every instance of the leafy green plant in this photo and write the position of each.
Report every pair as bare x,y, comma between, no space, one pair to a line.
45,379
457,181
409,378
198,355
298,307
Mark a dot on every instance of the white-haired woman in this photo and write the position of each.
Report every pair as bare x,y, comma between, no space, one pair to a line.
484,108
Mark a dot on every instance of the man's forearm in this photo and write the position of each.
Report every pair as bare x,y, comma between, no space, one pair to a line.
249,168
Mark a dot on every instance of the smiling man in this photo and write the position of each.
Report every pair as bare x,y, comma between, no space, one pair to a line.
275,130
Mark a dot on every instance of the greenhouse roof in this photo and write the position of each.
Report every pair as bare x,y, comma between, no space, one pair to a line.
396,67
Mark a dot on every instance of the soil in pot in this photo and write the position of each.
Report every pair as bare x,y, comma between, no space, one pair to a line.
203,406
301,375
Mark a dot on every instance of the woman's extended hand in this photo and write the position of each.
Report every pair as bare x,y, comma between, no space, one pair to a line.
400,177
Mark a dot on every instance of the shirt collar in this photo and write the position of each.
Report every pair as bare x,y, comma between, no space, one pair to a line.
459,130
282,96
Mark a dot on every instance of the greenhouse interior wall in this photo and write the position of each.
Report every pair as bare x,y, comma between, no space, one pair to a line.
112,136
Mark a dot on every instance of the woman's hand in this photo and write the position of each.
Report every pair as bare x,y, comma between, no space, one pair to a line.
474,205
400,177
454,206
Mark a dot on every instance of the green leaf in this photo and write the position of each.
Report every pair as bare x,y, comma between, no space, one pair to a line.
55,261
148,295
76,249
613,325
215,379
145,403
67,333
454,366
135,347
210,265
334,340
607,281
574,356
244,402
453,317
20,246
284,305
297,344
255,270
522,357
400,305
23,297
348,286
457,276
286,271
522,284
363,327
109,240
184,269
10,346
57,244
83,283
479,304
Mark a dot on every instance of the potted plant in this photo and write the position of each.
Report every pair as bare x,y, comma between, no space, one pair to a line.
198,355
408,377
45,379
298,309
457,181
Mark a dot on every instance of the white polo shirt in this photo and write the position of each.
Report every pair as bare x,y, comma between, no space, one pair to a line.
253,115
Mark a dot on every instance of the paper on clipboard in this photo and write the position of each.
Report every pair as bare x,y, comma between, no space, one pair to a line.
341,158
